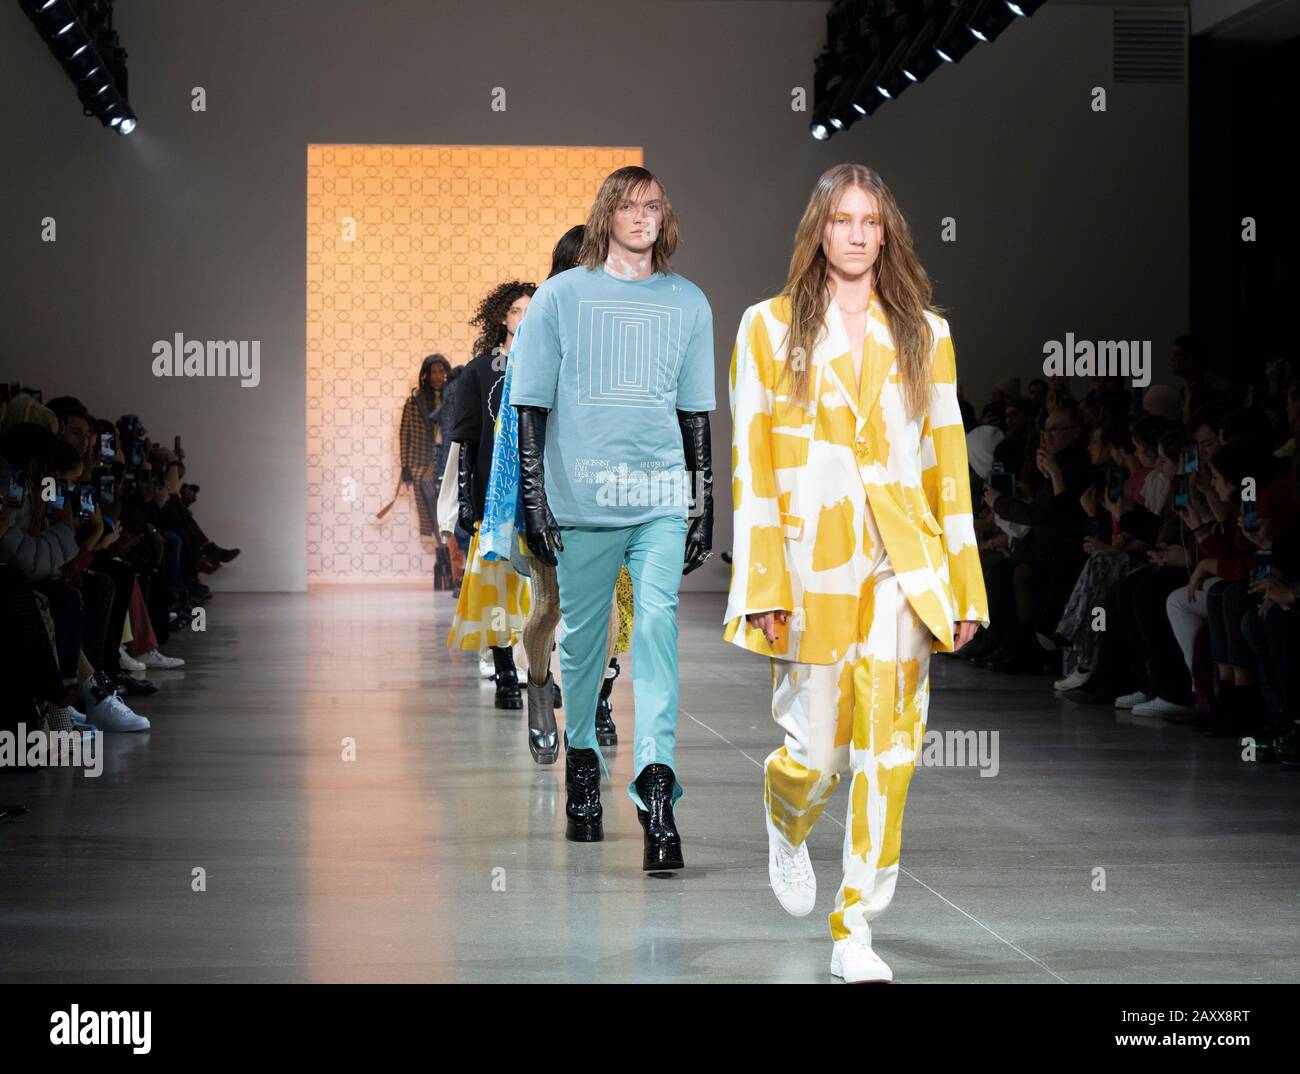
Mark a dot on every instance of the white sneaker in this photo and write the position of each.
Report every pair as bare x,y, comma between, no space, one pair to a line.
1078,677
487,667
154,659
127,662
790,872
1160,707
857,963
112,714
1127,701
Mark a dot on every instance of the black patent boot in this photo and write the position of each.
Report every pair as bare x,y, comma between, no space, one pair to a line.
663,846
582,797
606,732
508,696
543,735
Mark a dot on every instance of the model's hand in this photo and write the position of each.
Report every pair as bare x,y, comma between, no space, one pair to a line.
963,632
766,622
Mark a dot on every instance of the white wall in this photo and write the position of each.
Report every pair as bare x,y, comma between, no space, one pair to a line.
1068,220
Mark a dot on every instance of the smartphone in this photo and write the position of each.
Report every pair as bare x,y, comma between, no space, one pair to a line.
110,524
1263,562
85,500
107,445
180,451
1003,483
36,394
59,498
107,492
1250,516
1191,458
1115,483
137,453
1182,491
17,491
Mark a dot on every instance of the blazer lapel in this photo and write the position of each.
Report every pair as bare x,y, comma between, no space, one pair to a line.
877,357
835,353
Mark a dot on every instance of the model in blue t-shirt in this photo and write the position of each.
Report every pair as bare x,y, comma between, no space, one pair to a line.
613,382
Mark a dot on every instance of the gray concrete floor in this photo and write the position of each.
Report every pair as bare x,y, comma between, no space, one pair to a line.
438,854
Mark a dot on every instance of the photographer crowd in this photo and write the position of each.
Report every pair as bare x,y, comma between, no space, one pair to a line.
1145,546
100,564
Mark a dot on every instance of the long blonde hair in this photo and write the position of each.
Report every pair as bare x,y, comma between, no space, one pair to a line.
900,282
618,185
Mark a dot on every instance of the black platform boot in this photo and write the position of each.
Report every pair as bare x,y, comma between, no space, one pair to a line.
606,732
508,696
663,846
582,796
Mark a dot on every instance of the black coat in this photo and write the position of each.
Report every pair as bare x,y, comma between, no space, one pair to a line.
477,402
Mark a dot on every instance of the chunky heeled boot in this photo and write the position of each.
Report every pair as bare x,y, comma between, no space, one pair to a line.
606,732
582,796
663,846
543,735
508,696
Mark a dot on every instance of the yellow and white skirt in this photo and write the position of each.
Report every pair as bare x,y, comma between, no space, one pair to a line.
494,602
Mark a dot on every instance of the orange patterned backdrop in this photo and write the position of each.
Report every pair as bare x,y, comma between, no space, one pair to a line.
436,228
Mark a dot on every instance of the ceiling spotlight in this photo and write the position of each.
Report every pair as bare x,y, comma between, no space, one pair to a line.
955,39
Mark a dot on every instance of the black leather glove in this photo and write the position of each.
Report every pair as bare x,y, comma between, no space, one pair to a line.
465,486
541,531
699,464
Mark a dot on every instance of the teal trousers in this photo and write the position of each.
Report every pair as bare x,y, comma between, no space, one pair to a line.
586,571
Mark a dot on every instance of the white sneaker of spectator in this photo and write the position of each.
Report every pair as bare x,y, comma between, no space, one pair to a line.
112,714
1160,707
1078,677
154,659
1127,701
127,662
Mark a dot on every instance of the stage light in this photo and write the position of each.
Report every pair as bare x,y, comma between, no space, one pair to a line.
80,34
820,132
1024,8
891,81
956,39
992,20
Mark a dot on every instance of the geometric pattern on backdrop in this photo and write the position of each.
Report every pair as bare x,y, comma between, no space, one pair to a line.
434,228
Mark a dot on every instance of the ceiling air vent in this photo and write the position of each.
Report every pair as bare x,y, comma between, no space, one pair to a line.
1149,44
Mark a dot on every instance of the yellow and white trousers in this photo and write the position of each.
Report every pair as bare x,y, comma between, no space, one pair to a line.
864,714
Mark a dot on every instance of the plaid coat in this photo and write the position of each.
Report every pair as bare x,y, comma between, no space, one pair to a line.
804,476
417,450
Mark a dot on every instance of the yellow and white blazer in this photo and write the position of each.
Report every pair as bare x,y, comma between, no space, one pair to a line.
801,478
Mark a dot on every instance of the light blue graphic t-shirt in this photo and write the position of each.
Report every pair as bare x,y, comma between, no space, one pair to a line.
614,360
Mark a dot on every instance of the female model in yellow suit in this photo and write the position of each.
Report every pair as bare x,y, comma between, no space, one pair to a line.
854,551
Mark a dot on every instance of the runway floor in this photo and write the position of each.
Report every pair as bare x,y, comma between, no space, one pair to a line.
1105,849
